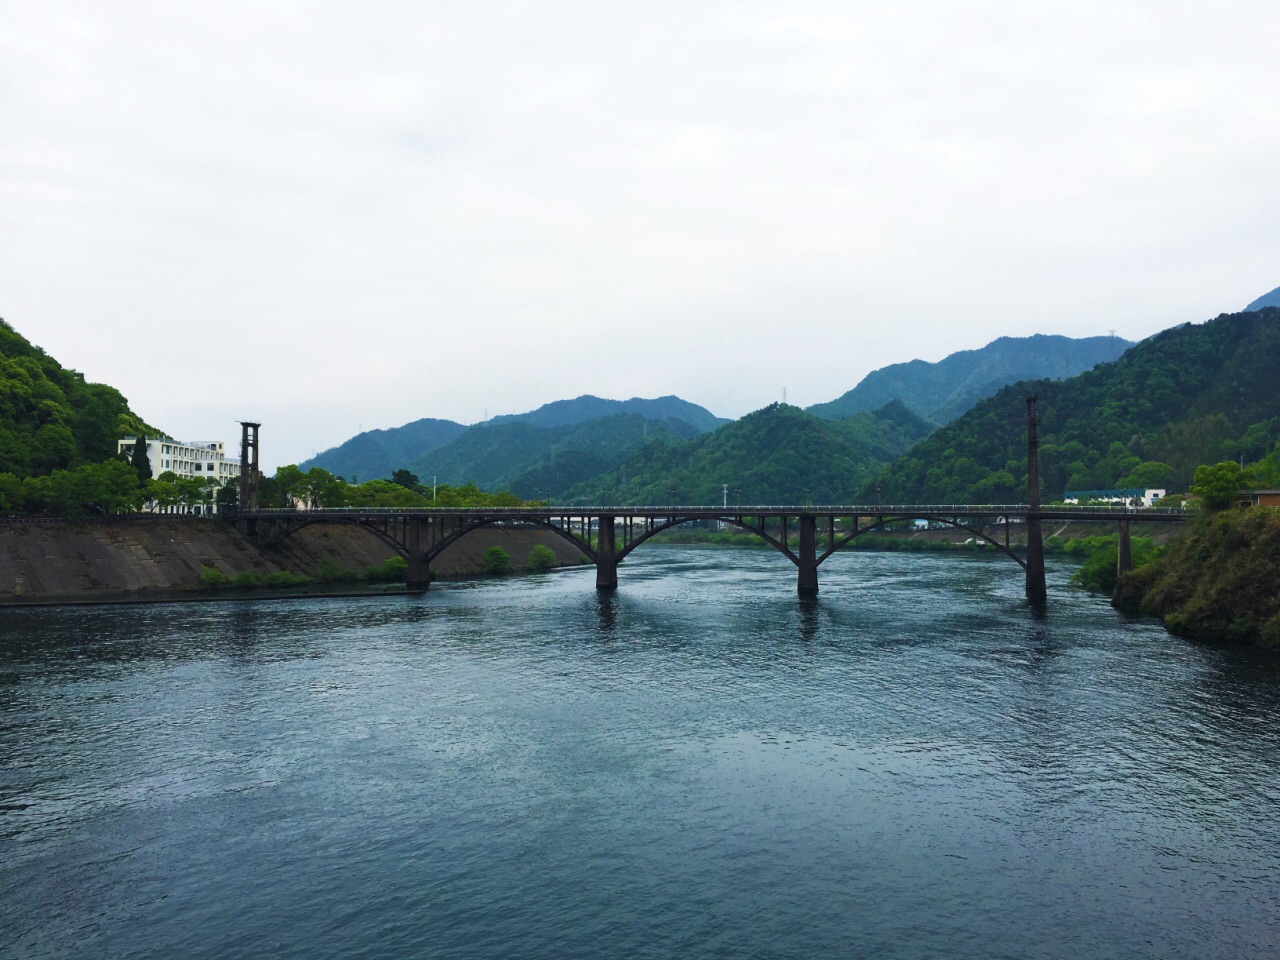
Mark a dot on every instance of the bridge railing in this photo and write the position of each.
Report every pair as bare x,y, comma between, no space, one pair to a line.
843,510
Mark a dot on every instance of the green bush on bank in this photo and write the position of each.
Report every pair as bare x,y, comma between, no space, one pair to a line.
213,577
541,557
496,561
391,570
1099,571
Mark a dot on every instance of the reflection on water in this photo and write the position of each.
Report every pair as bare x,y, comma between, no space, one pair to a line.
912,764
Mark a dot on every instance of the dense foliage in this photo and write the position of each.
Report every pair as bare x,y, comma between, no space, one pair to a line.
317,487
50,418
1191,395
779,454
942,391
1219,582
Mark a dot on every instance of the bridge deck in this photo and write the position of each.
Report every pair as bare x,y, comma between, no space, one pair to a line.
1013,512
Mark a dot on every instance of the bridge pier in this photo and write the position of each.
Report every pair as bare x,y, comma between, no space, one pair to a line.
606,555
1036,589
418,575
807,559
1124,549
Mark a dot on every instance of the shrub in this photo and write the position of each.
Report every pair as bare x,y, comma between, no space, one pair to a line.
283,578
541,557
213,577
496,560
246,578
328,569
391,570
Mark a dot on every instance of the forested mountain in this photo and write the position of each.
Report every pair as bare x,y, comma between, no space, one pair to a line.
50,418
779,454
1271,299
563,413
376,454
545,443
942,391
1191,395
538,462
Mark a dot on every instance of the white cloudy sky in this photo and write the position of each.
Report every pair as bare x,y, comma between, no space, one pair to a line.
335,216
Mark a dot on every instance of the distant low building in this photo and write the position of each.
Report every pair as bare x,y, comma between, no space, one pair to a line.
1129,497
205,459
1258,498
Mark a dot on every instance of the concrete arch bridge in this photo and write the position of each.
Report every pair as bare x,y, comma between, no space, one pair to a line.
806,535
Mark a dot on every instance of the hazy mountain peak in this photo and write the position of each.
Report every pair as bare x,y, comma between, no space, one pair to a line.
1271,299
563,413
942,391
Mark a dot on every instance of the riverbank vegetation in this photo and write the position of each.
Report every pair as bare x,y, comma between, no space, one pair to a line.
1219,582
114,487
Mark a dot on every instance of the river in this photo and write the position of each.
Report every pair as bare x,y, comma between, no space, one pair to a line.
702,765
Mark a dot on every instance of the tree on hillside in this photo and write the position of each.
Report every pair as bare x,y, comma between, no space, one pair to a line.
404,478
140,462
1218,485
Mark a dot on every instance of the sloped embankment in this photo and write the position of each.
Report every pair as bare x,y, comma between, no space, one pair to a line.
158,559
1219,582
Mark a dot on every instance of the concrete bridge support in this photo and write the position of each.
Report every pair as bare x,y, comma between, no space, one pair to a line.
606,555
1124,549
1036,589
807,557
418,575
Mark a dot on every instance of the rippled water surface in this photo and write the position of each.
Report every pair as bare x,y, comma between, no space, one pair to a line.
701,765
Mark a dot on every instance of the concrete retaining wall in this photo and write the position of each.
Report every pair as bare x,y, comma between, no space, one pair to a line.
141,559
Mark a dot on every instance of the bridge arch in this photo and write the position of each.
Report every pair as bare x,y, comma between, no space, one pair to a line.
882,522
438,547
671,524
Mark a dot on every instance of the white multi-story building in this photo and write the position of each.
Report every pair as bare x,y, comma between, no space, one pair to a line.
205,459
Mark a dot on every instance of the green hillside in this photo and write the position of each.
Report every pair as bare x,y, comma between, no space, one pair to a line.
535,461
776,455
50,418
376,454
1190,395
942,391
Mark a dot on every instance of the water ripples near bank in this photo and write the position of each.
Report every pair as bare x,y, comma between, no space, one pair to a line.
702,765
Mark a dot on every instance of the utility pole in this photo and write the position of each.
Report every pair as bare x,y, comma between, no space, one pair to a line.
724,493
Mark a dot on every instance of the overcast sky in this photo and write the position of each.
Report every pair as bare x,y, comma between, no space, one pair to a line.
330,217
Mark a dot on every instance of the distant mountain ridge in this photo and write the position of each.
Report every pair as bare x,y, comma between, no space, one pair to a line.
942,391
1190,395
563,413
535,462
779,454
1271,299
542,451
376,454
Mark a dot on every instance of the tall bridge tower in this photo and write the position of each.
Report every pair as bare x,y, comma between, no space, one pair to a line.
249,474
1036,591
